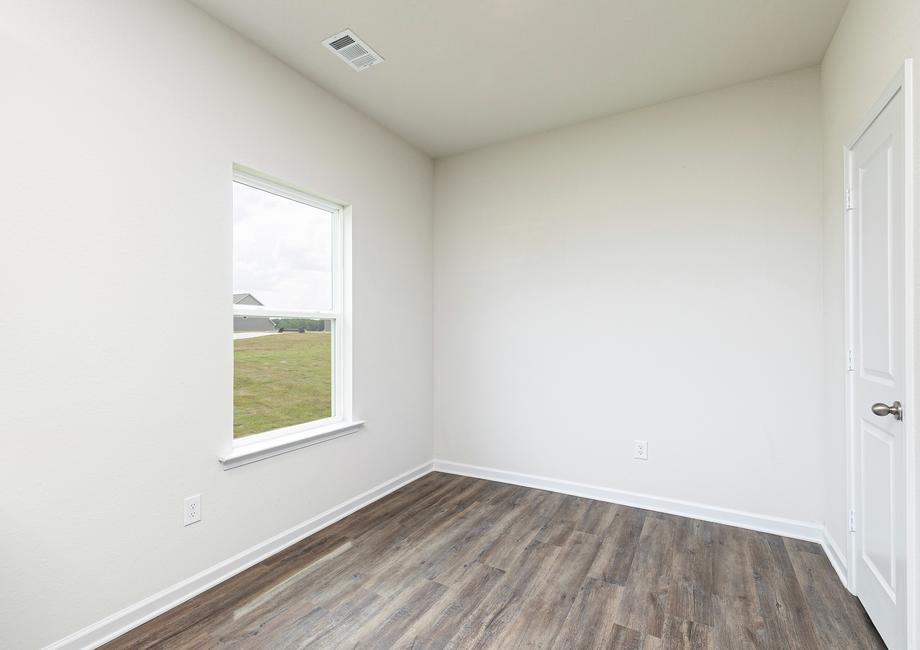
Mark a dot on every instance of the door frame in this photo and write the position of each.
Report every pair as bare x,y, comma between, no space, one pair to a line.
902,82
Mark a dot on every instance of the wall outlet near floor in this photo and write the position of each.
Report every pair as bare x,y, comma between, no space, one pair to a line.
191,510
640,449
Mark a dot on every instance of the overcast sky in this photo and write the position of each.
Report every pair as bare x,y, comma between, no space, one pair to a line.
282,250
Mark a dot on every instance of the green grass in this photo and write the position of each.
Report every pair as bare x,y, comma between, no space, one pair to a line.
280,380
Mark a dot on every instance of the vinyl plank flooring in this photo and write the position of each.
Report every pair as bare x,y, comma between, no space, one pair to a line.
620,540
738,620
691,580
519,530
827,600
650,585
504,604
382,629
435,628
597,518
589,623
563,515
543,612
789,623
455,562
683,634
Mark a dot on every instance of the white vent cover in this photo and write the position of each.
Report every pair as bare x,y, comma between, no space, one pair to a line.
352,50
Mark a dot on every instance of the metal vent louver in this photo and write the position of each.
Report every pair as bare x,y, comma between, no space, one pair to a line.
352,50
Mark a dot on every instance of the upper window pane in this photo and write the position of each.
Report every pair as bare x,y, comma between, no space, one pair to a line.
282,251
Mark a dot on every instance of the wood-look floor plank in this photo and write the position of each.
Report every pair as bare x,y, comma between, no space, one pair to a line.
597,518
564,513
736,608
682,634
385,627
435,628
620,542
519,530
306,628
827,599
645,605
456,562
589,623
503,604
786,615
544,611
691,589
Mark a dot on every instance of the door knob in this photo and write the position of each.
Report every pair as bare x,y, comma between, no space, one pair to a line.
882,410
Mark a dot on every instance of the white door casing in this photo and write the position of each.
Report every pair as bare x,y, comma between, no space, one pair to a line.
879,261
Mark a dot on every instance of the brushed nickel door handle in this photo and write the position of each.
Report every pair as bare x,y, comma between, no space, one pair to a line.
881,409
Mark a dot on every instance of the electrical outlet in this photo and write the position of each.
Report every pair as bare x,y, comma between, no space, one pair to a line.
640,449
191,510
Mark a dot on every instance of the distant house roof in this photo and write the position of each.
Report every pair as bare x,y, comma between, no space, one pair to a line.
245,299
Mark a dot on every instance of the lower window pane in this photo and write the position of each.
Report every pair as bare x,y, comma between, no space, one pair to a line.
282,373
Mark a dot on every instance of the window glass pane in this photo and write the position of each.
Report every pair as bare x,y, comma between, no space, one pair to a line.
282,373
282,252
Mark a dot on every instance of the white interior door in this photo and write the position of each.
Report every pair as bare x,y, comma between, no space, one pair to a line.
878,329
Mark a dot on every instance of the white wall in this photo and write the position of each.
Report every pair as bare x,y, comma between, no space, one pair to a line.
115,282
870,46
654,275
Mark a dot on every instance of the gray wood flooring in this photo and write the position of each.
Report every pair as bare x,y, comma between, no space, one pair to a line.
455,562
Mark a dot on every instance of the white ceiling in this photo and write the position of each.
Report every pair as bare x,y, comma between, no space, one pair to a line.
460,74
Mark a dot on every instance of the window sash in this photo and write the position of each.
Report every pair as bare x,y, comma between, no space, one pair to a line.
279,188
271,312
338,387
336,315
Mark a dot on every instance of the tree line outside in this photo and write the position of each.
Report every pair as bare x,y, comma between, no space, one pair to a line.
296,324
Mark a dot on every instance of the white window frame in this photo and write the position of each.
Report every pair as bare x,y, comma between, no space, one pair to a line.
257,446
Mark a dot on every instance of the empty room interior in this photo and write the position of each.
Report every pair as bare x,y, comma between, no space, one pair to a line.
481,324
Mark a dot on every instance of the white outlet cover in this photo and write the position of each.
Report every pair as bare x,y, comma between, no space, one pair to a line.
191,510
640,449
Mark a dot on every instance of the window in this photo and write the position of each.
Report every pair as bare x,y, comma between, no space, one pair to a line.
288,322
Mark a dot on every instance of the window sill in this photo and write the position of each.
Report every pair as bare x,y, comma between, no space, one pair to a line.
250,453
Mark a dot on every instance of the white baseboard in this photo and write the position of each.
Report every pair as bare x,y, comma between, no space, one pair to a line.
836,556
764,523
117,624
812,532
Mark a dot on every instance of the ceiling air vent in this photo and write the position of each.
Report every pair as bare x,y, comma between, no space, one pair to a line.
352,50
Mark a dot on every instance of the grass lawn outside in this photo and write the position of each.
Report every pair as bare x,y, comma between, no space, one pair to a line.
280,380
